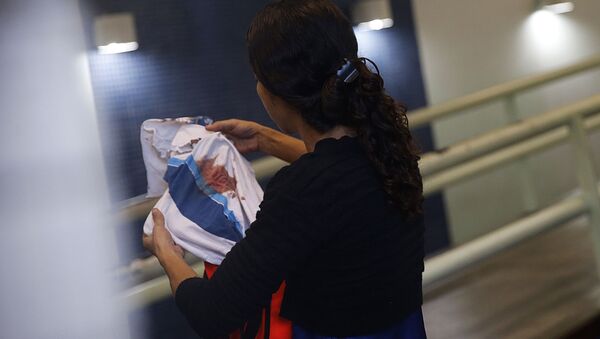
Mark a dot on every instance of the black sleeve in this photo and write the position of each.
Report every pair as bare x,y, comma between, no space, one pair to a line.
278,242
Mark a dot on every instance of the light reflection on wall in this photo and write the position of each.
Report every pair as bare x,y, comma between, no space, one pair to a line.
548,30
548,37
370,43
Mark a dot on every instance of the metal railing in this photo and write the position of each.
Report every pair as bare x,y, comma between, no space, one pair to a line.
461,161
506,91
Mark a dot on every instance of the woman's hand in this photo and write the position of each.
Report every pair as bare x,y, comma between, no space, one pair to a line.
169,255
160,242
245,135
248,136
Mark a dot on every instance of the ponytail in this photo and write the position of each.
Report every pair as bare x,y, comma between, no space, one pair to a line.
382,128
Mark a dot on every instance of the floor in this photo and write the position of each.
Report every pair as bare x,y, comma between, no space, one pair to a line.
542,288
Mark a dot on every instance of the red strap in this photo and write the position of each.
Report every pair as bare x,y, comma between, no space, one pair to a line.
279,328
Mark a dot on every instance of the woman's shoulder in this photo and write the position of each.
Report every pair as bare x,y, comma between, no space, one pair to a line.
334,166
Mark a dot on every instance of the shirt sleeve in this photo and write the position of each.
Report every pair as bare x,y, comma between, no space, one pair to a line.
283,236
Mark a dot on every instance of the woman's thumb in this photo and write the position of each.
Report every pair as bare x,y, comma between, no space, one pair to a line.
157,216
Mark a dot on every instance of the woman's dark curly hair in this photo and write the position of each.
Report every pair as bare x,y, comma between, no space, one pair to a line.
295,49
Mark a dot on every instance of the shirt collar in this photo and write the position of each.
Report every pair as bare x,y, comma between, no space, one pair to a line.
332,145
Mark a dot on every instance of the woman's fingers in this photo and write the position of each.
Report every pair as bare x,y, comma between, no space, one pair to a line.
224,126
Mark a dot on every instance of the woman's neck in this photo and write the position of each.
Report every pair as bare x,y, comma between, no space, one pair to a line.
310,136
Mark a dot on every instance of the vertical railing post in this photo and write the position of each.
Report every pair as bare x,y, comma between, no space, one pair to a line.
588,179
525,179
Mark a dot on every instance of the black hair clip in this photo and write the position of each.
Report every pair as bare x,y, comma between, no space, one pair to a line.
347,72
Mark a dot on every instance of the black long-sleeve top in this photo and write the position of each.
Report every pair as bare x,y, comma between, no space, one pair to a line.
351,263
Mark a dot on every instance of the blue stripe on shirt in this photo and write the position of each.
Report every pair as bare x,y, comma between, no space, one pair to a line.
199,202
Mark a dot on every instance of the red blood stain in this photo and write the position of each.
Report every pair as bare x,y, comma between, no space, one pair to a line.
216,176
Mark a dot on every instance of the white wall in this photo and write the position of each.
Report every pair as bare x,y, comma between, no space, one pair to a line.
467,45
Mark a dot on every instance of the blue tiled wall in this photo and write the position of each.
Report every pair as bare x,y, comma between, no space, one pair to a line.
191,61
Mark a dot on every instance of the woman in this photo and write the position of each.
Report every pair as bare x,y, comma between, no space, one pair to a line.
342,224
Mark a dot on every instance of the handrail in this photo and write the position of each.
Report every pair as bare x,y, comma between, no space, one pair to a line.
145,269
493,140
426,115
142,270
538,138
137,207
454,260
464,160
437,267
152,290
432,163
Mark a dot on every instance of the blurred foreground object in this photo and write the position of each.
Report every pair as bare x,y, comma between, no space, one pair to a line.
55,242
